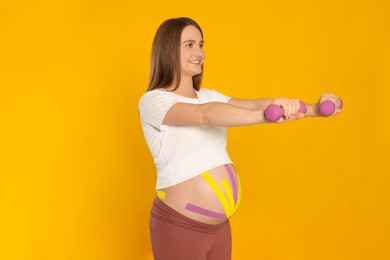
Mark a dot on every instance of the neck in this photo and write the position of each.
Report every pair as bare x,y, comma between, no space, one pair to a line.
186,88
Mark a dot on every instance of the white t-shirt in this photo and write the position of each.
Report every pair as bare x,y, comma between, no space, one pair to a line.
181,152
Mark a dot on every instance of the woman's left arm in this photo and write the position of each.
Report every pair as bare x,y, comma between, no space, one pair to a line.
313,110
258,104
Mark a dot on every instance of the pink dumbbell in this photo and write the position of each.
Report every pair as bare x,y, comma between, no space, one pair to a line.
275,112
328,107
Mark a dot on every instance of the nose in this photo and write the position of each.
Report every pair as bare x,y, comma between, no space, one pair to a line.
199,52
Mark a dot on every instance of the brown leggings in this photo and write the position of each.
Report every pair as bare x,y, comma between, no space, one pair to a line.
177,237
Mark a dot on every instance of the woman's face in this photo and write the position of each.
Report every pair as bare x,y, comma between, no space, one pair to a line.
191,51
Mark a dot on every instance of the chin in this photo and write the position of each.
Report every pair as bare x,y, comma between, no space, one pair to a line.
196,73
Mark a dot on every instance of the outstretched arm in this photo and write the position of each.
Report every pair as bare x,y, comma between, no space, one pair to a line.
213,114
259,103
238,112
313,110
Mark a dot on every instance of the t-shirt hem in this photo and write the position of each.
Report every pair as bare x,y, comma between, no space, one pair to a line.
196,173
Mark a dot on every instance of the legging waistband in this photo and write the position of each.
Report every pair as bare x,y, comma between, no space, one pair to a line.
163,212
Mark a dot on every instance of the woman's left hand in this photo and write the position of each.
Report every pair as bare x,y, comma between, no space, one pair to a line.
329,97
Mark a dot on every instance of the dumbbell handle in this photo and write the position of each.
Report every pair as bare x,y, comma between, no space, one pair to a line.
274,112
328,107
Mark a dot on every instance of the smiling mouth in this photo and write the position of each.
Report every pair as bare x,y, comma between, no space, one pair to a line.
195,62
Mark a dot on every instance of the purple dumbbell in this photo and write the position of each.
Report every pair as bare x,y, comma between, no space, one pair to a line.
328,107
275,112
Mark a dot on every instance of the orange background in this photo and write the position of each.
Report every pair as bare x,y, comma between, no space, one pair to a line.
77,180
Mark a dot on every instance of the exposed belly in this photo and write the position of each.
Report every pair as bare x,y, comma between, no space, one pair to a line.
211,197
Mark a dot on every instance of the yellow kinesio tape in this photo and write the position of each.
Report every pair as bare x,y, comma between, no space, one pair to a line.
229,194
161,194
227,203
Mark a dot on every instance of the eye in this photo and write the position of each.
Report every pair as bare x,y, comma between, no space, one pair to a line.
201,45
190,45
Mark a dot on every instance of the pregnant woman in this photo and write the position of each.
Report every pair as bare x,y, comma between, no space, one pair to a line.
198,188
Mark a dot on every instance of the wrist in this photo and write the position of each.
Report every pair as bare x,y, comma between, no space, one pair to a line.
312,110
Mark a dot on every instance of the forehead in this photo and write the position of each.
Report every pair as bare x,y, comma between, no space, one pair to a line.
190,32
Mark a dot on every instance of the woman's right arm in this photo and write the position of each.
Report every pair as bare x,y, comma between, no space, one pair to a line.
227,114
212,114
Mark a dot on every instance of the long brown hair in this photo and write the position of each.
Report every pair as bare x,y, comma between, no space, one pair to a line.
165,58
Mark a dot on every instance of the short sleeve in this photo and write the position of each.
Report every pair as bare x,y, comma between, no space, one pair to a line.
154,105
213,96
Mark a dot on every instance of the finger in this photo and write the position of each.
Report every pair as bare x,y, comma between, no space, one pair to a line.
300,115
289,107
286,109
339,103
297,105
293,108
281,101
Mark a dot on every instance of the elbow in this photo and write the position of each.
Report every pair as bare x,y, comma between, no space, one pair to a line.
204,115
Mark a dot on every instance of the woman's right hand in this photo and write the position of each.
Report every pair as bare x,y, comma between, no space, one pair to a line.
290,107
